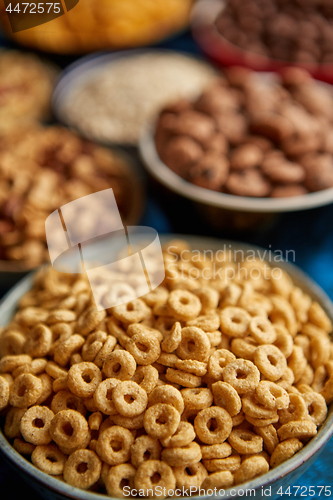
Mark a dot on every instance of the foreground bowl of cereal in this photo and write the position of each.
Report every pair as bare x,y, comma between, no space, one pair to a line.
146,396
252,145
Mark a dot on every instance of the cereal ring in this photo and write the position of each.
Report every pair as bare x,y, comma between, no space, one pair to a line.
262,330
132,312
244,441
190,476
297,362
244,348
83,379
143,479
144,347
82,469
161,420
186,455
222,450
168,360
183,378
284,451
12,343
168,395
272,396
35,425
65,348
60,316
222,479
270,361
23,447
54,370
105,351
287,379
114,445
183,305
93,345
4,393
129,399
192,366
157,296
89,320
173,339
215,338
251,468
60,384
36,367
317,407
119,364
145,448
30,316
252,408
213,425
227,397
230,464
10,362
146,377
135,328
284,340
217,361
238,419
12,422
304,429
197,398
25,391
242,374
103,396
262,422
183,436
39,341
128,422
234,321
296,410
194,344
49,459
269,436
207,322
117,478
95,420
320,351
307,377
65,400
69,429
319,318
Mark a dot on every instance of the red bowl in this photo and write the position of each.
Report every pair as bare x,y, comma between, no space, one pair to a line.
225,53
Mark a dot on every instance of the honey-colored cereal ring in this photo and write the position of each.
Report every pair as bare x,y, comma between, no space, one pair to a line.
144,347
197,398
116,477
173,339
143,479
183,378
145,448
10,362
317,407
132,312
12,343
247,370
25,391
189,476
60,384
95,420
320,351
245,442
65,348
105,351
69,429
207,322
209,298
234,321
23,447
297,362
222,450
83,379
103,396
183,436
4,393
192,366
49,459
302,429
226,397
146,377
262,422
167,359
194,344
284,451
12,422
36,367
131,423
231,464
262,330
204,419
222,479
54,370
270,361
167,394
217,361
215,338
272,396
93,345
287,379
319,318
65,400
60,316
114,445
129,398
284,340
183,305
35,425
244,348
157,296
82,469
297,410
251,468
143,328
185,455
119,364
161,420
39,341
89,320
251,407
269,436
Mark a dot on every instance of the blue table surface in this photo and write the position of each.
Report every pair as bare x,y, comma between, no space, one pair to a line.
309,234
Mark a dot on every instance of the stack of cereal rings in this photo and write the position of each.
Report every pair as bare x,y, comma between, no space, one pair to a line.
210,380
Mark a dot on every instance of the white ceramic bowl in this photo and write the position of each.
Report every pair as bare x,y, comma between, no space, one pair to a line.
284,475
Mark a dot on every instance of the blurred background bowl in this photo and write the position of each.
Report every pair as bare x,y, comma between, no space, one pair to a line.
225,53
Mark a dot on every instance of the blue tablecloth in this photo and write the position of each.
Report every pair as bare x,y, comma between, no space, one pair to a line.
309,234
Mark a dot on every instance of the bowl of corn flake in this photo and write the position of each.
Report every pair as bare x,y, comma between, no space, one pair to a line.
216,382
